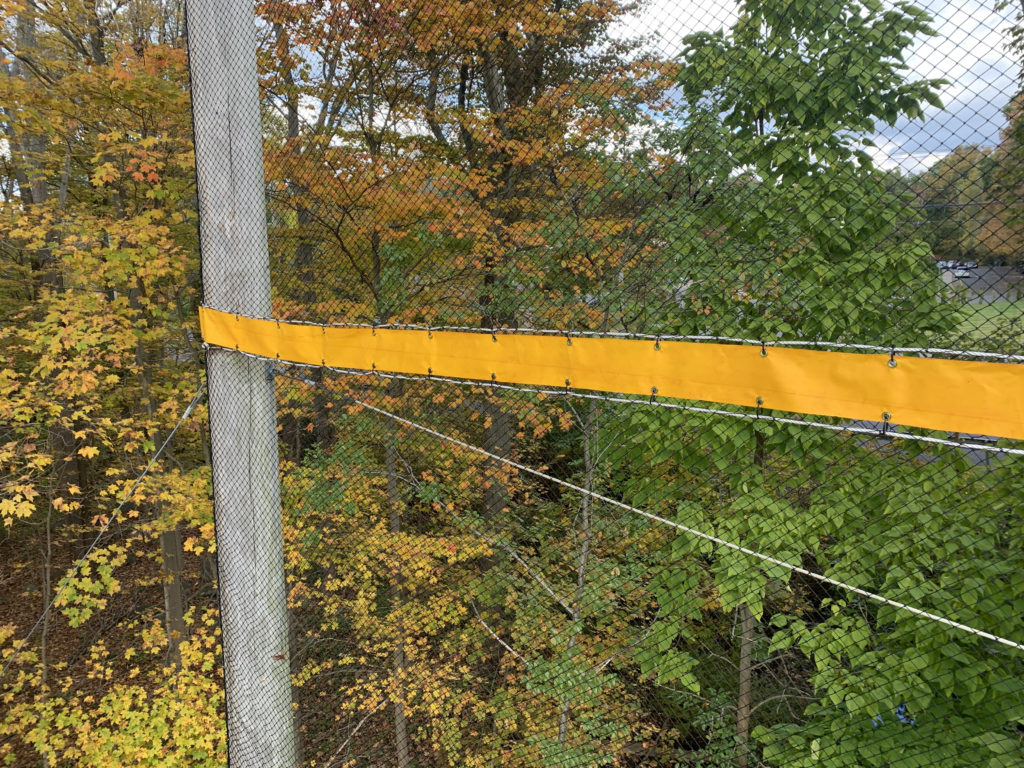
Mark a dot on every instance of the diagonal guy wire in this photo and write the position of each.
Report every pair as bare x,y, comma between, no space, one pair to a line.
693,531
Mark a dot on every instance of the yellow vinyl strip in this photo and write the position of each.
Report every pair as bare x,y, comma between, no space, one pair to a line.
948,395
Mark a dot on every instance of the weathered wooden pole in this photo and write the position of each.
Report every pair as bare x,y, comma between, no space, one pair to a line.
236,278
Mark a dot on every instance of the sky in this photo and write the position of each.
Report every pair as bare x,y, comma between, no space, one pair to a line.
968,51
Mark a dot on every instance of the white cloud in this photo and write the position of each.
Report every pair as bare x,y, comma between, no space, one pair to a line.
968,50
664,23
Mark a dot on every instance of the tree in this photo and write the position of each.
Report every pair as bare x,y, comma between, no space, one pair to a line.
100,356
960,205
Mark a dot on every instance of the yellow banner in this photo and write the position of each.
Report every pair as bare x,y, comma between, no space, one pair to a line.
948,395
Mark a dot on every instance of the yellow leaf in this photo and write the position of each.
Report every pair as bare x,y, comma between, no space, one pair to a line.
89,451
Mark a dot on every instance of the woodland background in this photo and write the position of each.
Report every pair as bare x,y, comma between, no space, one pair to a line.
486,164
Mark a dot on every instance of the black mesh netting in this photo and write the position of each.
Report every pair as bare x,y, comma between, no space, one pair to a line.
480,573
501,575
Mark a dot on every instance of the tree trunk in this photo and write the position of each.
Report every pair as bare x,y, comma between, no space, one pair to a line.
497,440
398,659
747,626
45,631
743,699
172,563
586,541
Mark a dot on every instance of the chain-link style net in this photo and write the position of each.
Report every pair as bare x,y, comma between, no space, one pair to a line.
497,572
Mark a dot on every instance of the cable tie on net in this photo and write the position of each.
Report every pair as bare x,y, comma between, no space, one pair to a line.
494,335
568,339
892,357
654,392
760,402
764,349
657,344
885,423
567,385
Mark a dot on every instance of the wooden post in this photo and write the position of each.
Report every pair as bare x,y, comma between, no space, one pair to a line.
243,434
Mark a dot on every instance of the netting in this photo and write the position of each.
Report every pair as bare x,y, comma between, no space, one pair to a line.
604,383
506,555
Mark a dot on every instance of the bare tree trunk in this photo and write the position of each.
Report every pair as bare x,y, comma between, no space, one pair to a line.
747,626
498,441
172,563
398,660
743,699
47,587
304,249
586,541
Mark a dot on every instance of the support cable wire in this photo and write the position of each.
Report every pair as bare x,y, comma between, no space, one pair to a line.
692,531
99,536
887,434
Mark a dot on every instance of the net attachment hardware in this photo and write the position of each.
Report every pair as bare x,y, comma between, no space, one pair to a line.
892,357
